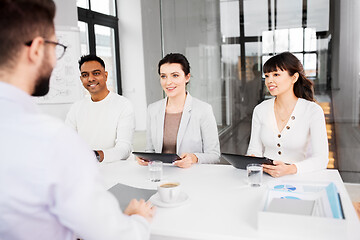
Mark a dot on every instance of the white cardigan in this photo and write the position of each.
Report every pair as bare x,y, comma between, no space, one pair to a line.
302,142
197,130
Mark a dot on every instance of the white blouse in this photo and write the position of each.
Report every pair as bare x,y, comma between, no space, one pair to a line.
302,142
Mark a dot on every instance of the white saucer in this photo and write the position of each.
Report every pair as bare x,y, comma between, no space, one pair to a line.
182,199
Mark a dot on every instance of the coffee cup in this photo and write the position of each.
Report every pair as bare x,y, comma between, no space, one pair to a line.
169,191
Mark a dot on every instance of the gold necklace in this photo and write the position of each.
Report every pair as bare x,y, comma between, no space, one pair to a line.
281,116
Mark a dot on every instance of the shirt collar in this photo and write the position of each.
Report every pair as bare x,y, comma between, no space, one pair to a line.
15,95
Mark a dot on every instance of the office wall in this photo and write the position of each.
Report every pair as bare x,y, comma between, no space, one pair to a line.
132,58
66,16
140,51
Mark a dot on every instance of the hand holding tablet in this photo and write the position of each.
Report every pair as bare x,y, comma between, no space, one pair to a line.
241,161
163,157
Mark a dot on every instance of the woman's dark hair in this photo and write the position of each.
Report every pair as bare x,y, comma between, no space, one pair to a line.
303,87
176,58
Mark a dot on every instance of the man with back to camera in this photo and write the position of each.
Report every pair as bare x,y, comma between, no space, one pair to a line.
105,120
49,179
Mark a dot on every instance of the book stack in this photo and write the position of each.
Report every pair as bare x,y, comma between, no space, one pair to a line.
320,200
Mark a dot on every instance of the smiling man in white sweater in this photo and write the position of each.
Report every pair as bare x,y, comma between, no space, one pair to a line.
105,120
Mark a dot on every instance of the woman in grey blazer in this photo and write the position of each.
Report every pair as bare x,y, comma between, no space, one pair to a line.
181,123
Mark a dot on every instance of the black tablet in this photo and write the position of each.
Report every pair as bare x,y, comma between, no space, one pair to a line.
164,157
241,161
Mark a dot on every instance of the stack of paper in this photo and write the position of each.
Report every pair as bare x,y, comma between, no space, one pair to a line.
320,200
125,193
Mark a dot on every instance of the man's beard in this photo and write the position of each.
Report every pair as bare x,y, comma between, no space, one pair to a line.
42,85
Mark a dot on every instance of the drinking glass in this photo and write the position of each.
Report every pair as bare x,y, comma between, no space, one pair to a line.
254,174
155,171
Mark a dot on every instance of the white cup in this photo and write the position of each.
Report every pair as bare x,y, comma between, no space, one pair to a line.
169,192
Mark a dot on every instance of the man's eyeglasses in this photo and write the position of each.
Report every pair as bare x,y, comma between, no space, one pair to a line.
60,49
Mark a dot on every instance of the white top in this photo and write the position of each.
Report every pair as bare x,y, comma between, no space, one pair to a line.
49,180
106,125
197,130
302,142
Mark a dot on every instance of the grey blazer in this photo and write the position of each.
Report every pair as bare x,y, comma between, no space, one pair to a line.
197,130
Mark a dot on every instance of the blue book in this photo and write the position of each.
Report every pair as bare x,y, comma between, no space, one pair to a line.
335,201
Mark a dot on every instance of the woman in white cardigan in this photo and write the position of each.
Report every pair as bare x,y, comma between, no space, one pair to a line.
289,128
181,123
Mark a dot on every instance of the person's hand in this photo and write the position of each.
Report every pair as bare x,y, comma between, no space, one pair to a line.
280,169
142,161
141,208
187,159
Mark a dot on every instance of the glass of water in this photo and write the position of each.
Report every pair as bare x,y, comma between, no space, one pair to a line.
155,171
254,173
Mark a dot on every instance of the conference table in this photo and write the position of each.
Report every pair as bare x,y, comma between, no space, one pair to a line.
221,204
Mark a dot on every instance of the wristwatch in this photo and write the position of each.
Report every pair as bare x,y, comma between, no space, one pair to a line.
97,155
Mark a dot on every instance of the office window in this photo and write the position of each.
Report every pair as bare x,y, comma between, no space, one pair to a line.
255,17
268,42
281,40
105,47
310,64
82,3
317,11
296,39
288,14
229,18
99,35
310,39
107,7
84,38
301,42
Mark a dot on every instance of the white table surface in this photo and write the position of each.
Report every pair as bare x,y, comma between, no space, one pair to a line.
222,206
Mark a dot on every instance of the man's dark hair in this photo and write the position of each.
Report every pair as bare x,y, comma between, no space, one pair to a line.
90,57
21,21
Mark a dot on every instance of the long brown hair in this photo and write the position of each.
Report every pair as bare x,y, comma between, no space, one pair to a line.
303,87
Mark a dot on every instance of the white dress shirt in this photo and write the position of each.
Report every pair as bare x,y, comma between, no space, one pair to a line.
302,142
50,187
106,125
197,130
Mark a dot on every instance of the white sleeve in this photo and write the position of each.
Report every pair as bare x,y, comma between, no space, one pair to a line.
255,147
79,199
210,138
149,144
124,136
319,143
71,118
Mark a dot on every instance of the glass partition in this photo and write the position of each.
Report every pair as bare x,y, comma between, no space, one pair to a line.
228,41
193,29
